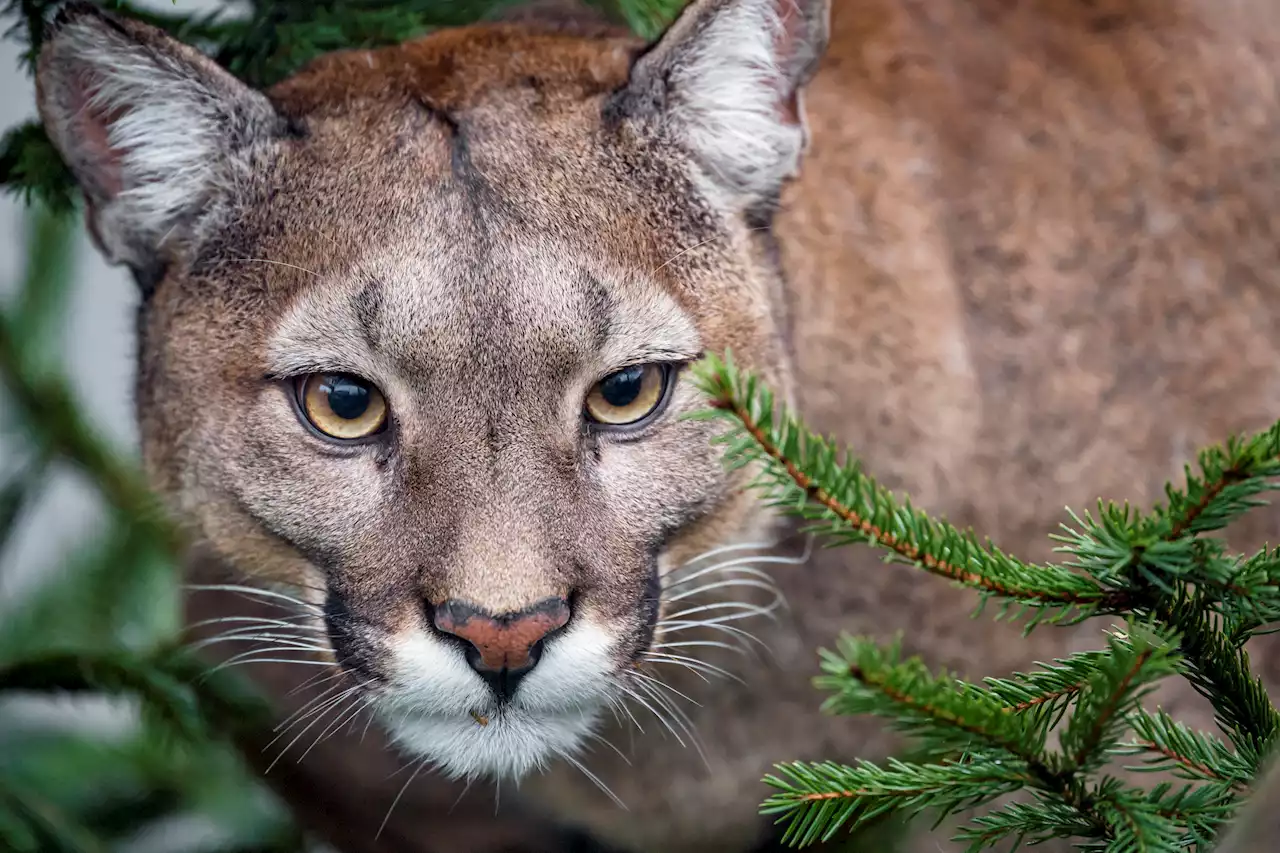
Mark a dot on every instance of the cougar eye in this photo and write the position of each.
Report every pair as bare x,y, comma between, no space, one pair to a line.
628,396
342,407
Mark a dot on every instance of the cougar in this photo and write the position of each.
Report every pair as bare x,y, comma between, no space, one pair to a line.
415,334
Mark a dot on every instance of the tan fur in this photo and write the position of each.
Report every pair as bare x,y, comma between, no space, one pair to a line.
1031,260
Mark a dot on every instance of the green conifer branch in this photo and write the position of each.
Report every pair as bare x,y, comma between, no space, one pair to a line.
1189,605
1027,822
1134,661
818,800
946,714
1050,688
1136,824
802,474
1170,745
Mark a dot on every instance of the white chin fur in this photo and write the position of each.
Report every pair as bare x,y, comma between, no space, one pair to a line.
433,698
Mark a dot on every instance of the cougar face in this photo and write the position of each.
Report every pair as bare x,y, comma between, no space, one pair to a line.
416,331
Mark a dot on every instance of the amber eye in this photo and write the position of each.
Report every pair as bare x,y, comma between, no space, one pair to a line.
341,406
628,396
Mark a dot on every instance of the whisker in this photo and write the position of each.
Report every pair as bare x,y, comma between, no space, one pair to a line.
617,702
315,716
595,780
227,664
258,591
307,706
600,739
722,569
276,263
679,716
743,610
661,719
725,584
294,622
421,764
285,641
724,549
693,664
358,704
660,683
317,680
233,660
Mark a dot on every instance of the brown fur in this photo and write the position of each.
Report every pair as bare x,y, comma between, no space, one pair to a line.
1031,260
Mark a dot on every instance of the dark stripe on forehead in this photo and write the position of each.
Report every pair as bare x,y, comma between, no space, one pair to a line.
367,306
600,310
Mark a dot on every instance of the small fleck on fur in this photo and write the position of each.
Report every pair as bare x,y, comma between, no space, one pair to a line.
1017,256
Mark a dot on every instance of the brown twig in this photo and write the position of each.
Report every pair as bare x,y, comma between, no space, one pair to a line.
887,540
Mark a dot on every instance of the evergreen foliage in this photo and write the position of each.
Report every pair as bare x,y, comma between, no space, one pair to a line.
1181,603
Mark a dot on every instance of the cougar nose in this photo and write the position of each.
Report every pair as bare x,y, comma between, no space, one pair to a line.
502,648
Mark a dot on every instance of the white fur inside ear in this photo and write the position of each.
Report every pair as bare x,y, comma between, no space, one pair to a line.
149,129
731,91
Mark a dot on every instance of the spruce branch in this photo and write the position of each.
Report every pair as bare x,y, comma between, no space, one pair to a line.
946,714
1189,606
1134,661
802,474
818,800
1170,745
1033,823
1136,824
1050,688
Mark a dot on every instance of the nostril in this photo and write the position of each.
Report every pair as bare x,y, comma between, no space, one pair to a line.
502,648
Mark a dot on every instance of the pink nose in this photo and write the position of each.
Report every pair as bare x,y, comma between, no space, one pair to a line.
503,648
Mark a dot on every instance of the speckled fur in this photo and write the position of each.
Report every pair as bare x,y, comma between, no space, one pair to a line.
1031,259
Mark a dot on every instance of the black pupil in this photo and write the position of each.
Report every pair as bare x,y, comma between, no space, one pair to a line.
347,399
622,388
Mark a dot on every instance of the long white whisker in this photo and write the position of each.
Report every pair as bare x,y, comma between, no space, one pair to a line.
725,549
230,663
743,609
275,263
619,702
697,666
315,716
396,801
327,693
350,713
292,622
658,682
303,643
598,738
233,660
258,591
595,780
661,719
725,584
679,716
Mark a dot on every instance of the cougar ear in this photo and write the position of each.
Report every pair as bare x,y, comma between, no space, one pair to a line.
725,82
156,133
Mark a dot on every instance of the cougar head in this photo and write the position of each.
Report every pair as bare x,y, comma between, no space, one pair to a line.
415,327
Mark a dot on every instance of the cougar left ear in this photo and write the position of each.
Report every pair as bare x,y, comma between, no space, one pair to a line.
725,82
157,134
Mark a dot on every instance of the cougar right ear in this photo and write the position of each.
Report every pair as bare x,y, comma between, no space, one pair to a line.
725,81
155,132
